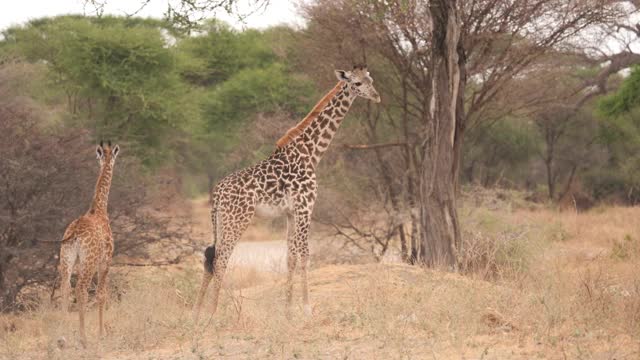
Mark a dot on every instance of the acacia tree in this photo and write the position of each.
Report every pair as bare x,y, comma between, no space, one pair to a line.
502,40
118,77
620,133
446,66
188,14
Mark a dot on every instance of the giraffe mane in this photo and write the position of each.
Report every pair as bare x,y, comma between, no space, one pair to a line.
293,132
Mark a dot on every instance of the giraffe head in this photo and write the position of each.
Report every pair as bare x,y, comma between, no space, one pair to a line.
360,82
107,154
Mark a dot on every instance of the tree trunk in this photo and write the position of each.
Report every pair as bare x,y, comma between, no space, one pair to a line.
551,184
572,175
411,178
550,140
414,257
441,238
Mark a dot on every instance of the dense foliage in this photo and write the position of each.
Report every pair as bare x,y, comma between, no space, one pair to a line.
620,133
176,104
146,84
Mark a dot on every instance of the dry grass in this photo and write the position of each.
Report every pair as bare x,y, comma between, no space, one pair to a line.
540,284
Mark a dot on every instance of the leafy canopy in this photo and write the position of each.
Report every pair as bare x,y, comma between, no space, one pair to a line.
625,99
119,77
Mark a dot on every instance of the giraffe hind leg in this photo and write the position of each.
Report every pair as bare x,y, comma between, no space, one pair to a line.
102,295
209,260
232,229
219,268
85,275
220,265
302,220
68,257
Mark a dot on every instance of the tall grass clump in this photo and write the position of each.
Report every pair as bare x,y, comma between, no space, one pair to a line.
499,246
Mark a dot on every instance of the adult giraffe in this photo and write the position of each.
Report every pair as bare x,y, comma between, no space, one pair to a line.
287,181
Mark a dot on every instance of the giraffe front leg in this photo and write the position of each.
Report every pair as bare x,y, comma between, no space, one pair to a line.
301,250
291,262
291,269
304,265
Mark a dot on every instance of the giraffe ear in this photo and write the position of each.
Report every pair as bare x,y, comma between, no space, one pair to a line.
99,152
115,151
343,75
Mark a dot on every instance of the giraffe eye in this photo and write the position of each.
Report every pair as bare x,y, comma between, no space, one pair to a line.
358,83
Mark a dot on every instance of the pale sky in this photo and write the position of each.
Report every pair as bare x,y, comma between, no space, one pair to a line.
14,12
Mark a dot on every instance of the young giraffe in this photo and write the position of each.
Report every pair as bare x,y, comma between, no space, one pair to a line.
285,181
88,242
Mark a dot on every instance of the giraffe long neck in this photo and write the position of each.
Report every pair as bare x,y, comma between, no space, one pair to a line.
316,138
101,196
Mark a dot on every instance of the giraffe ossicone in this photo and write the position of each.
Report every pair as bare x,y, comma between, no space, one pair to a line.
88,243
286,180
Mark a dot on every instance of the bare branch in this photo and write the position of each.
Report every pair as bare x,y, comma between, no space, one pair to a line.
373,146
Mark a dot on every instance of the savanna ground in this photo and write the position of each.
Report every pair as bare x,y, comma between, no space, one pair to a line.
541,283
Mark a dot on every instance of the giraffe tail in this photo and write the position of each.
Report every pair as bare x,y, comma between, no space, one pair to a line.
209,258
210,251
70,232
